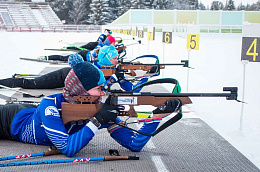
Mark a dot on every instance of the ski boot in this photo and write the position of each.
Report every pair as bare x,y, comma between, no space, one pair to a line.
42,58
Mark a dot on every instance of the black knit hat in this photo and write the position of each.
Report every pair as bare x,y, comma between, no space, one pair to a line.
88,74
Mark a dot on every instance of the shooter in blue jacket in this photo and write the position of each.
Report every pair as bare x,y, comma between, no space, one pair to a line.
44,126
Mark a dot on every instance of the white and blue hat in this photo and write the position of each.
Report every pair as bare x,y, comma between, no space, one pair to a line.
105,54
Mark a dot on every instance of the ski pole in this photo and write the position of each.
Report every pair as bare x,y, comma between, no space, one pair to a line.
104,158
25,94
46,153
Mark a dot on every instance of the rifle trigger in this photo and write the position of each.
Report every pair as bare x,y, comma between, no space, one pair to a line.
162,107
123,113
113,152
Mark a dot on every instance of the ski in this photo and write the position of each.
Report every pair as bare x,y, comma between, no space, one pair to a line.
6,98
45,61
61,49
25,76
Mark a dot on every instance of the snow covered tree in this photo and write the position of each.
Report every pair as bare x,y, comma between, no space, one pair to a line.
181,4
124,6
142,4
171,4
254,6
216,5
149,4
194,4
104,11
229,5
161,4
61,8
241,7
136,4
100,12
87,12
201,6
78,11
114,7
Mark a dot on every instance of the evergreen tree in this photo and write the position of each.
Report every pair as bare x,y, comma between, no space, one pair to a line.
217,5
142,4
124,6
255,6
241,7
201,6
229,5
171,4
62,8
136,4
161,4
77,13
182,5
248,7
87,12
114,7
100,12
194,4
150,4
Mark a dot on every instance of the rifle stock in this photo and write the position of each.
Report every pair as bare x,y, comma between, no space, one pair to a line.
144,67
108,72
75,112
120,47
128,69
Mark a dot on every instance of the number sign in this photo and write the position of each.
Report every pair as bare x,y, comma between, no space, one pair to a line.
193,41
250,49
167,37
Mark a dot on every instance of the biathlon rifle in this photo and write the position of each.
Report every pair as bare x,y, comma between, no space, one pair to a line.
130,67
121,47
86,108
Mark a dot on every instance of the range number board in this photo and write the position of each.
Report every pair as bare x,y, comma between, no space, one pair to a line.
193,41
167,37
250,49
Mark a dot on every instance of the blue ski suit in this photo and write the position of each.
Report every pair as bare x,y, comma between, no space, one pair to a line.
43,126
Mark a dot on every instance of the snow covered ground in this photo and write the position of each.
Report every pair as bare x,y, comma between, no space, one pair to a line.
216,64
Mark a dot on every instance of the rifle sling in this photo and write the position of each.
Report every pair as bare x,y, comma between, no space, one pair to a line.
168,123
171,121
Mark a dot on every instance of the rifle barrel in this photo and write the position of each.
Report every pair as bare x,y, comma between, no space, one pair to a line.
182,94
230,96
170,64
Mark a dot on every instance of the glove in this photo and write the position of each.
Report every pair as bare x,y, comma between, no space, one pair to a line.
169,107
120,41
120,50
154,69
108,113
119,74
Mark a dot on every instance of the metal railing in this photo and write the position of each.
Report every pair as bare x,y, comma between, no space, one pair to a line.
60,28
